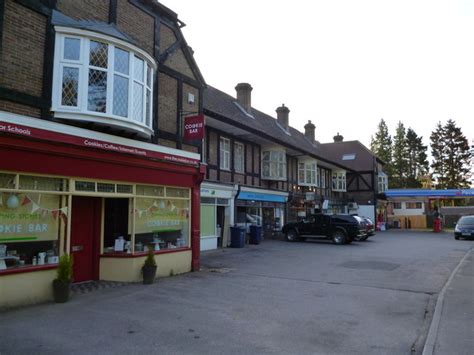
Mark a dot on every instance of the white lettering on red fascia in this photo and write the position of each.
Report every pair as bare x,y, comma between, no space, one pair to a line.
116,148
15,130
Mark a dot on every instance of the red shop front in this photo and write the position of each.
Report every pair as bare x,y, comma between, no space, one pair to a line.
101,198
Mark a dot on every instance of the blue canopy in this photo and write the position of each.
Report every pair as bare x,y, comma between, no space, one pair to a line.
430,193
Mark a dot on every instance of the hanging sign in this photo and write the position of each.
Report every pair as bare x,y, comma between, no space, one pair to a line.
194,128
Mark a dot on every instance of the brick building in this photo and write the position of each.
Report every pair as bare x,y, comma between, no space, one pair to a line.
260,170
92,96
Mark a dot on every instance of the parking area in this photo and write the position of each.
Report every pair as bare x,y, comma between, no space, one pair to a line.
373,297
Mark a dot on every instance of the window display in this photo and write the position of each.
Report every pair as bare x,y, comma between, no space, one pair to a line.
30,227
163,223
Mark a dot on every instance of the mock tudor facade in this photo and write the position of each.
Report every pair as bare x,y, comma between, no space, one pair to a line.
92,100
270,172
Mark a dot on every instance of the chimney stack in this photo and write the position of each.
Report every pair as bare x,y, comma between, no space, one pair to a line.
282,116
244,95
338,138
309,131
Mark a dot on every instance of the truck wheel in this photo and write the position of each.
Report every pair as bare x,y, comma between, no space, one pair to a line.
339,237
291,235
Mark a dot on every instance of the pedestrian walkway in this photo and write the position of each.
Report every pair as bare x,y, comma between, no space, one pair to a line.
452,328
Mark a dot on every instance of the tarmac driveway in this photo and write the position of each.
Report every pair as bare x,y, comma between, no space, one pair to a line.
372,297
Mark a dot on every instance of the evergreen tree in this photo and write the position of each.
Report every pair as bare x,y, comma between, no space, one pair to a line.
451,156
438,155
381,146
458,157
399,158
416,159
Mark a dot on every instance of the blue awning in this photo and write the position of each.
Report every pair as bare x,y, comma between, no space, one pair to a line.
257,196
430,193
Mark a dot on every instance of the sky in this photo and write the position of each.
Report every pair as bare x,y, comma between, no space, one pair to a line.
343,64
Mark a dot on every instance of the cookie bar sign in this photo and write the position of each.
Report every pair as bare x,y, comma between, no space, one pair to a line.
194,128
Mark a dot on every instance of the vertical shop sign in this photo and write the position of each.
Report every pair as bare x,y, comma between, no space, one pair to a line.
194,128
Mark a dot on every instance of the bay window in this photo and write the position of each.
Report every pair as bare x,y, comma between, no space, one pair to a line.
274,165
224,149
339,181
102,79
307,173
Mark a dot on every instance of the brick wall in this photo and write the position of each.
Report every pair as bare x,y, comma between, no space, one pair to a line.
85,9
190,148
167,37
136,23
167,105
188,107
178,62
22,56
19,109
167,143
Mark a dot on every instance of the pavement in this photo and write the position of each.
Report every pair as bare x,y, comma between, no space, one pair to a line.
452,326
397,293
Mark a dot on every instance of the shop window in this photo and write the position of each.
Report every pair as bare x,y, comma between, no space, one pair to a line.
102,79
42,183
31,225
148,190
307,173
7,181
208,200
176,192
397,205
224,145
274,165
163,223
208,221
339,181
239,158
413,205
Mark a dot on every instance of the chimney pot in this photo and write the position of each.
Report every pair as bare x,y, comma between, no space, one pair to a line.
338,138
244,95
309,129
282,116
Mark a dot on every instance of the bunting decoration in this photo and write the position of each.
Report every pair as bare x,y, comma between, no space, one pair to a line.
36,208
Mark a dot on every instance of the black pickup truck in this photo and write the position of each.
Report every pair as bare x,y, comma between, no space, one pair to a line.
340,228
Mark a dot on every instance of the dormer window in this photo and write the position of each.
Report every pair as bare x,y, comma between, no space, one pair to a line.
104,80
274,165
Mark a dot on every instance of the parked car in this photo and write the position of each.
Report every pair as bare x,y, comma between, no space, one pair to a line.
341,229
370,226
464,228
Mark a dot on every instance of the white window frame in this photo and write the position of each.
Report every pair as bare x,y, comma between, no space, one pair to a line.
275,165
239,157
382,182
339,181
308,170
224,148
144,127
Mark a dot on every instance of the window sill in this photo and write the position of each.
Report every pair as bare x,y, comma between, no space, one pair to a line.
105,120
142,254
27,268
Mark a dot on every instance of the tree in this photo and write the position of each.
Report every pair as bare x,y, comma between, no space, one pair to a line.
381,146
417,159
399,158
451,156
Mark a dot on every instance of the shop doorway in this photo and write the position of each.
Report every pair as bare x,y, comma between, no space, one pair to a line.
85,237
220,225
